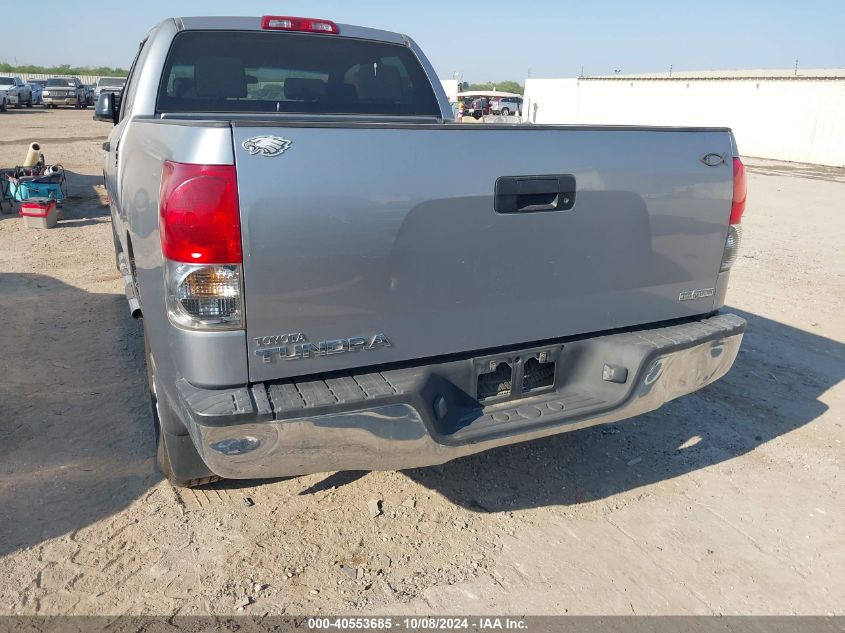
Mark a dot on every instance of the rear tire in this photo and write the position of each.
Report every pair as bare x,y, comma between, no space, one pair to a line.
176,455
163,458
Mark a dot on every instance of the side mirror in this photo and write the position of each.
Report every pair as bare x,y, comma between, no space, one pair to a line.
107,108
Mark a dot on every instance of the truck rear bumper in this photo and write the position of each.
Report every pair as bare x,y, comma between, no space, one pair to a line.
428,414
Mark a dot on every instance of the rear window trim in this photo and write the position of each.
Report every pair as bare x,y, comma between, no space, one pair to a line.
163,79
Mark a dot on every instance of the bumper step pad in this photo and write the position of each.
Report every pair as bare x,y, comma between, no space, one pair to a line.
428,413
289,399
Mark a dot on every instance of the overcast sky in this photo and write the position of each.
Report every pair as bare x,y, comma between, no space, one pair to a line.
502,40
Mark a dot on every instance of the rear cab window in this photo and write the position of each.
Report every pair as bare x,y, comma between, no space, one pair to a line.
258,71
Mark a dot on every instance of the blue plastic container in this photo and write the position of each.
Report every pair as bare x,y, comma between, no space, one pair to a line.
21,189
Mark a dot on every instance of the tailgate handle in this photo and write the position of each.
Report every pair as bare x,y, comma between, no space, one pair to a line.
525,194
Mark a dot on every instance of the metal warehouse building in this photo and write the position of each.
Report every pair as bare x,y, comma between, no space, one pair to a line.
779,114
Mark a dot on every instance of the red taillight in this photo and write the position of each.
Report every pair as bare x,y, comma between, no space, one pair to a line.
199,214
288,23
740,191
737,207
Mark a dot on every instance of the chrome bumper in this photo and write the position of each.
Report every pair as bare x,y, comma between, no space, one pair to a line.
59,100
425,415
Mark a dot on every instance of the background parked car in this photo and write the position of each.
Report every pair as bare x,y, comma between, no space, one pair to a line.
39,83
3,100
479,107
18,93
36,92
64,91
506,106
109,84
89,94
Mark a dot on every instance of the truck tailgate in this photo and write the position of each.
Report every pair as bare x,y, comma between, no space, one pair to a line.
358,231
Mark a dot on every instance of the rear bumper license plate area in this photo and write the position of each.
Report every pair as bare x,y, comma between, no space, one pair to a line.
431,413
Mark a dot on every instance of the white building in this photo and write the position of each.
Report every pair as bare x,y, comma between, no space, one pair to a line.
774,114
451,88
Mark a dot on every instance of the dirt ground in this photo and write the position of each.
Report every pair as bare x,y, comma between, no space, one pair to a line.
729,501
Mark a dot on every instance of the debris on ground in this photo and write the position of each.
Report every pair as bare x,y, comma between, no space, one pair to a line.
374,507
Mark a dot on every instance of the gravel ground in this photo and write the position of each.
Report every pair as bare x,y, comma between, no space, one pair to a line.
728,501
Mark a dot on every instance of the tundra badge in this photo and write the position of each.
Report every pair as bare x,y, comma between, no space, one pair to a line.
266,145
296,346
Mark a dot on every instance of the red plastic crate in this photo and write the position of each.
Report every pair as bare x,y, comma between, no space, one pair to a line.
37,208
39,213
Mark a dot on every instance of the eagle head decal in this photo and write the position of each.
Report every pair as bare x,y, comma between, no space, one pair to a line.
266,145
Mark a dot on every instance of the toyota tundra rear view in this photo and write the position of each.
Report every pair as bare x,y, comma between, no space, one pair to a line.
325,284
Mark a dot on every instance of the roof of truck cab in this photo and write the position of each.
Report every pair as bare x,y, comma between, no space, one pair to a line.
244,23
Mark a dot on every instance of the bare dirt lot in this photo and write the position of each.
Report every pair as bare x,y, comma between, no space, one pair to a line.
728,501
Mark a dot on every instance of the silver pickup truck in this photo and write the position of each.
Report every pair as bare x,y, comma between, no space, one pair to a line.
325,285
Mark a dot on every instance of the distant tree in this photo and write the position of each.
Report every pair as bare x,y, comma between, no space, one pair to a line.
510,86
503,86
64,69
